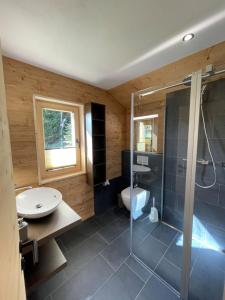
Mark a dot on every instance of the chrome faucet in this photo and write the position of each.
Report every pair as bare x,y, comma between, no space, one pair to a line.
22,187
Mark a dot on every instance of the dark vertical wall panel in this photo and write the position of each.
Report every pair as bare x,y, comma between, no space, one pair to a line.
176,135
150,181
209,203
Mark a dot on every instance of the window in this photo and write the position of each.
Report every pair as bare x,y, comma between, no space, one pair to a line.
59,138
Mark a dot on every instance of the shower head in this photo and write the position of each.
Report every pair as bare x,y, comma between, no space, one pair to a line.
208,72
203,92
187,80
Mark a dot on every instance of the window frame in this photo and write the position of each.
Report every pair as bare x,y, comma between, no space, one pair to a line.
45,175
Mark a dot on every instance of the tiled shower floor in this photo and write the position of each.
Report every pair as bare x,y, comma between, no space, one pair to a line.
162,250
100,267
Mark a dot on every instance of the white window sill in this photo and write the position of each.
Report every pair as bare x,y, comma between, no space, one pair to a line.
58,178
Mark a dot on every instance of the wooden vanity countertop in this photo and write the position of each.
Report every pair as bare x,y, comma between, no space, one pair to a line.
61,220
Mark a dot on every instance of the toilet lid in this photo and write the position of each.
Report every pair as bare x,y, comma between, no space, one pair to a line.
136,191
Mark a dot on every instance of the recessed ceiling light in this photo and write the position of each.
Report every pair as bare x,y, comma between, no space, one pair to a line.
188,37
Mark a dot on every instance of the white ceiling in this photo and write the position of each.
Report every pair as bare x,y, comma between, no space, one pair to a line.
107,42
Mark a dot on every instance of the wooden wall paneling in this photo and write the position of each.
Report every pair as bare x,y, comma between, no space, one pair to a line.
22,82
11,276
175,71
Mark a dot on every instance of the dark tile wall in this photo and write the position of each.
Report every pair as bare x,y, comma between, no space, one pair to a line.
107,196
176,135
151,181
209,203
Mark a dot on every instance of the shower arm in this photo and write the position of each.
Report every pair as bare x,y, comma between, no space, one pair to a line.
150,91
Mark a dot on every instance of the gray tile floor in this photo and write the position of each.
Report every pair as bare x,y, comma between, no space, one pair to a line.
166,248
100,267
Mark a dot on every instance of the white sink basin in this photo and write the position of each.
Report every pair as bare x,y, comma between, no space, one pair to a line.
140,168
37,202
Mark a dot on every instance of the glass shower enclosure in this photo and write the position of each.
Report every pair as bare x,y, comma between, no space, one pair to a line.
178,184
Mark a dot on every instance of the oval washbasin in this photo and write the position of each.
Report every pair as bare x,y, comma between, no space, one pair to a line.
37,202
140,168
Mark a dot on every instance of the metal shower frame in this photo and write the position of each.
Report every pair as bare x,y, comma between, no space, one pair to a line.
195,81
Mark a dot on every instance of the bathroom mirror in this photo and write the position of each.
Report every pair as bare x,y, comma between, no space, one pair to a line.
148,133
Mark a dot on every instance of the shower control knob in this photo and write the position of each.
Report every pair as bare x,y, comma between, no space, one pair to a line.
203,162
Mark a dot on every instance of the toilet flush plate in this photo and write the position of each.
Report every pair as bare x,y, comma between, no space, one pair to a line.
142,160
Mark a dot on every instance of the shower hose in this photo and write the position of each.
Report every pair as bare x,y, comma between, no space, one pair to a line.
208,144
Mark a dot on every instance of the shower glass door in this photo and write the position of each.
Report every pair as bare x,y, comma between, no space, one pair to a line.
178,186
208,231
159,139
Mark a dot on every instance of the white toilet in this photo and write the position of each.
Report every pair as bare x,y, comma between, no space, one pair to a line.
140,199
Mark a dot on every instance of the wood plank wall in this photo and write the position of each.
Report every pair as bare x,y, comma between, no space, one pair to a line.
11,276
22,82
172,72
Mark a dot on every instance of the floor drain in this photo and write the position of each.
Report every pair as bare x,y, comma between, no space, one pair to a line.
39,205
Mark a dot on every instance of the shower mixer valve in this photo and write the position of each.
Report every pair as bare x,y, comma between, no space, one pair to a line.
200,161
203,162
